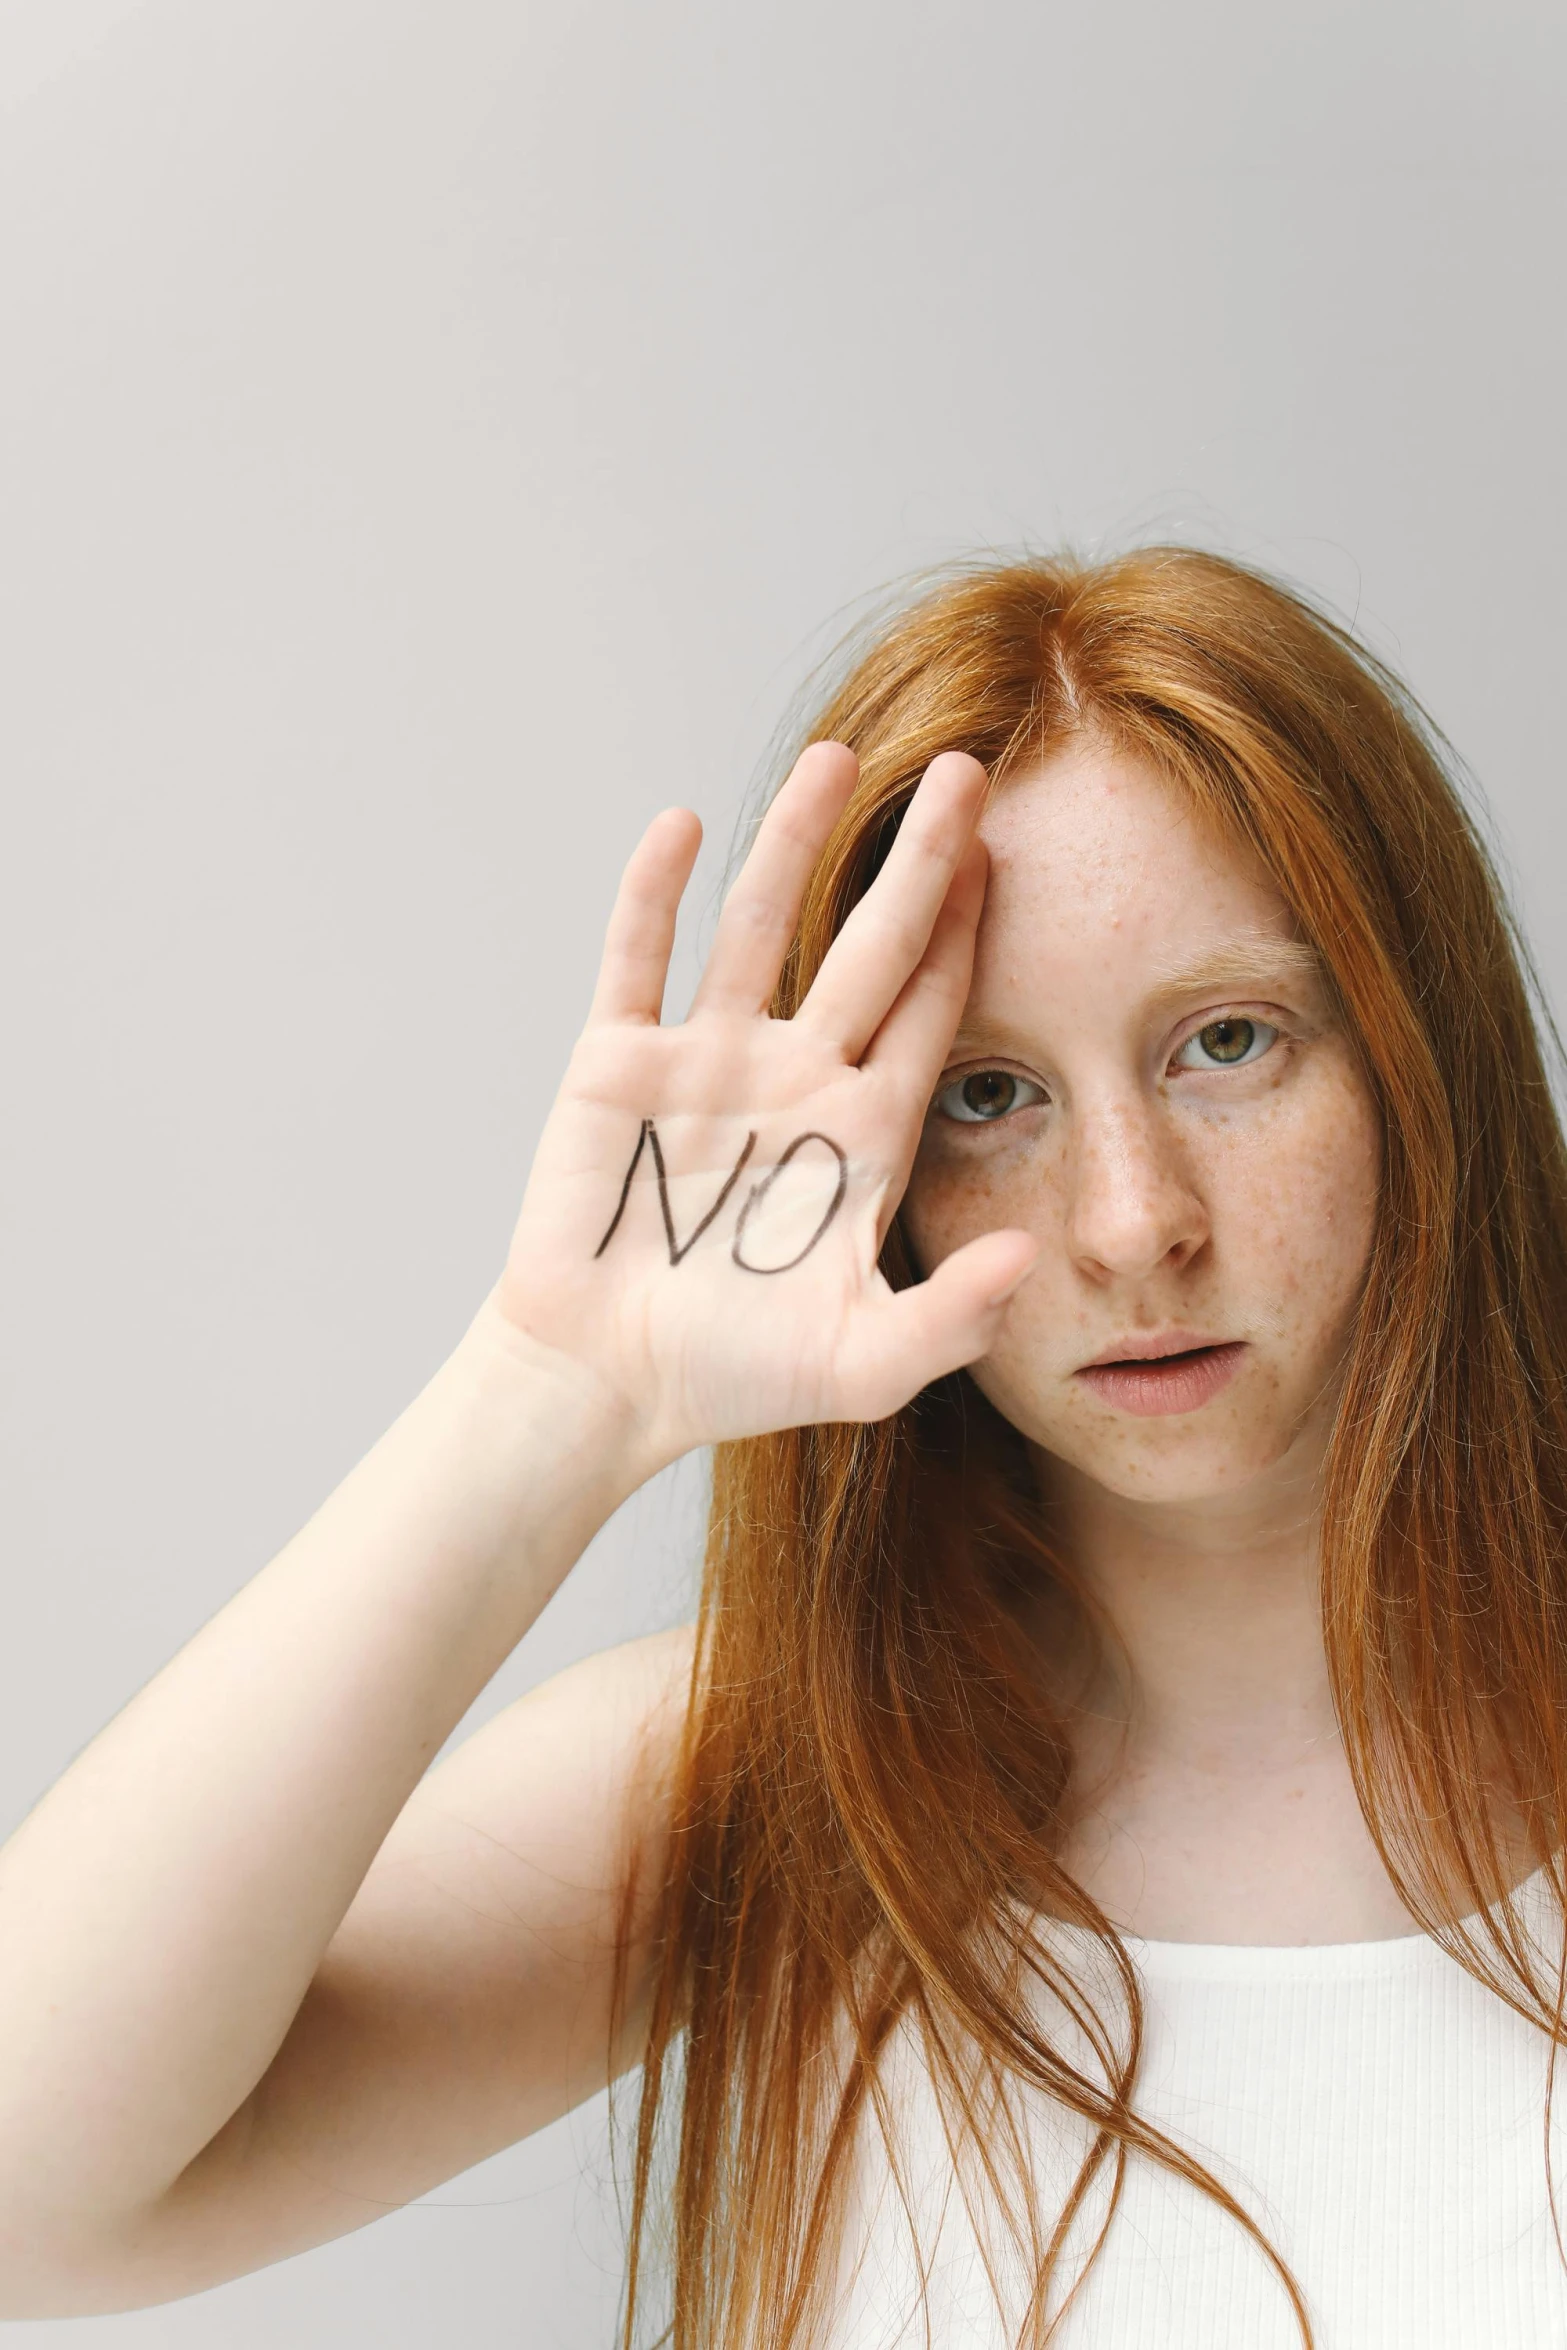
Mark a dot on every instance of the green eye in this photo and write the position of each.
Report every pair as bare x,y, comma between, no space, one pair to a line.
986,1095
1225,1044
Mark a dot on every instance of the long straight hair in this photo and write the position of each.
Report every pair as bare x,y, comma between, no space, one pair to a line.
870,1789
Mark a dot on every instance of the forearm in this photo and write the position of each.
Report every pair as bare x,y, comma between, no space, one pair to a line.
164,1908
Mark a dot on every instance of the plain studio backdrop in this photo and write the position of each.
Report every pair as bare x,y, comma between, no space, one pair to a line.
435,437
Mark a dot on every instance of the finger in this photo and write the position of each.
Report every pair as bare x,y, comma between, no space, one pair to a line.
916,1036
886,936
761,911
913,1336
641,932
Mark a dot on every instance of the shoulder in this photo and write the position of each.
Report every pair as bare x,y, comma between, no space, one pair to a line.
587,1752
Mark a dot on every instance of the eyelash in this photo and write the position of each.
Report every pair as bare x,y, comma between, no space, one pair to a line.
949,1100
1259,1028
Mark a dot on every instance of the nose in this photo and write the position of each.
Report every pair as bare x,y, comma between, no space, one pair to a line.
1132,1204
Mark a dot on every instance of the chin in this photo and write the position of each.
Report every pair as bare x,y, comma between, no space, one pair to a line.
1174,1473
1213,1455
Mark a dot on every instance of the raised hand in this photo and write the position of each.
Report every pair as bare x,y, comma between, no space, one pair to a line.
703,1220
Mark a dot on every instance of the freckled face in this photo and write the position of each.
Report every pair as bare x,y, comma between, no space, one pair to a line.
1149,1077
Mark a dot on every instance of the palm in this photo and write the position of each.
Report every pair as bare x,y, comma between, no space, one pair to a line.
709,1200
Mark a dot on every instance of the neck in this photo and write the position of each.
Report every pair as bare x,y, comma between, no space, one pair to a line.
1210,1796
1216,1655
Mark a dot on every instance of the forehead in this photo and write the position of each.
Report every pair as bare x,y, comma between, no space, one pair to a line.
1094,852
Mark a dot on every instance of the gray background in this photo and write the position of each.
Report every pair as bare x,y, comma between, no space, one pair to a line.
434,437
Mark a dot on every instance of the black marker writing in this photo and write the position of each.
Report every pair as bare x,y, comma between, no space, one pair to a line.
625,1191
677,1248
759,1192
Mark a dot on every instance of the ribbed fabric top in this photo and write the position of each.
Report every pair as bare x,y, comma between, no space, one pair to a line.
1377,2111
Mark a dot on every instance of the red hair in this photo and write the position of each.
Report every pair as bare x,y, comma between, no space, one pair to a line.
871,1781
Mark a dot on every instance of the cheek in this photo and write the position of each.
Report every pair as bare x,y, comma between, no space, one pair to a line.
954,1195
1289,1187
1294,1204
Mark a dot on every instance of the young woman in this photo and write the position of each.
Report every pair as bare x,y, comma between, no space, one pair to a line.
1094,1870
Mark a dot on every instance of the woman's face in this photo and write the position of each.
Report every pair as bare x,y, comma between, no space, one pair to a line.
1149,1077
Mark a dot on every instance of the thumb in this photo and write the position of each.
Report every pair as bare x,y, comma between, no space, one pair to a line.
911,1336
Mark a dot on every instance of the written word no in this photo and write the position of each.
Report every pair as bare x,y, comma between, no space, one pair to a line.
647,1140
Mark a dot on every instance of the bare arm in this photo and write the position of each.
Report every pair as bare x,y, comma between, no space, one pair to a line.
168,1905
252,1987
465,1999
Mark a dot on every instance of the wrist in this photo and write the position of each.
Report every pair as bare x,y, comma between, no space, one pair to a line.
588,1447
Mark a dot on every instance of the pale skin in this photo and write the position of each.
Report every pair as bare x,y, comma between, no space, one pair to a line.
1234,1202
264,1974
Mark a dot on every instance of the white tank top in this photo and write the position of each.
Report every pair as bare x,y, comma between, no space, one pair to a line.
1375,2109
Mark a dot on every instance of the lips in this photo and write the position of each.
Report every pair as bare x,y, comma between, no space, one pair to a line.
1175,1371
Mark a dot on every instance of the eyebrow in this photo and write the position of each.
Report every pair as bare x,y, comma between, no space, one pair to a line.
1247,954
1232,966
